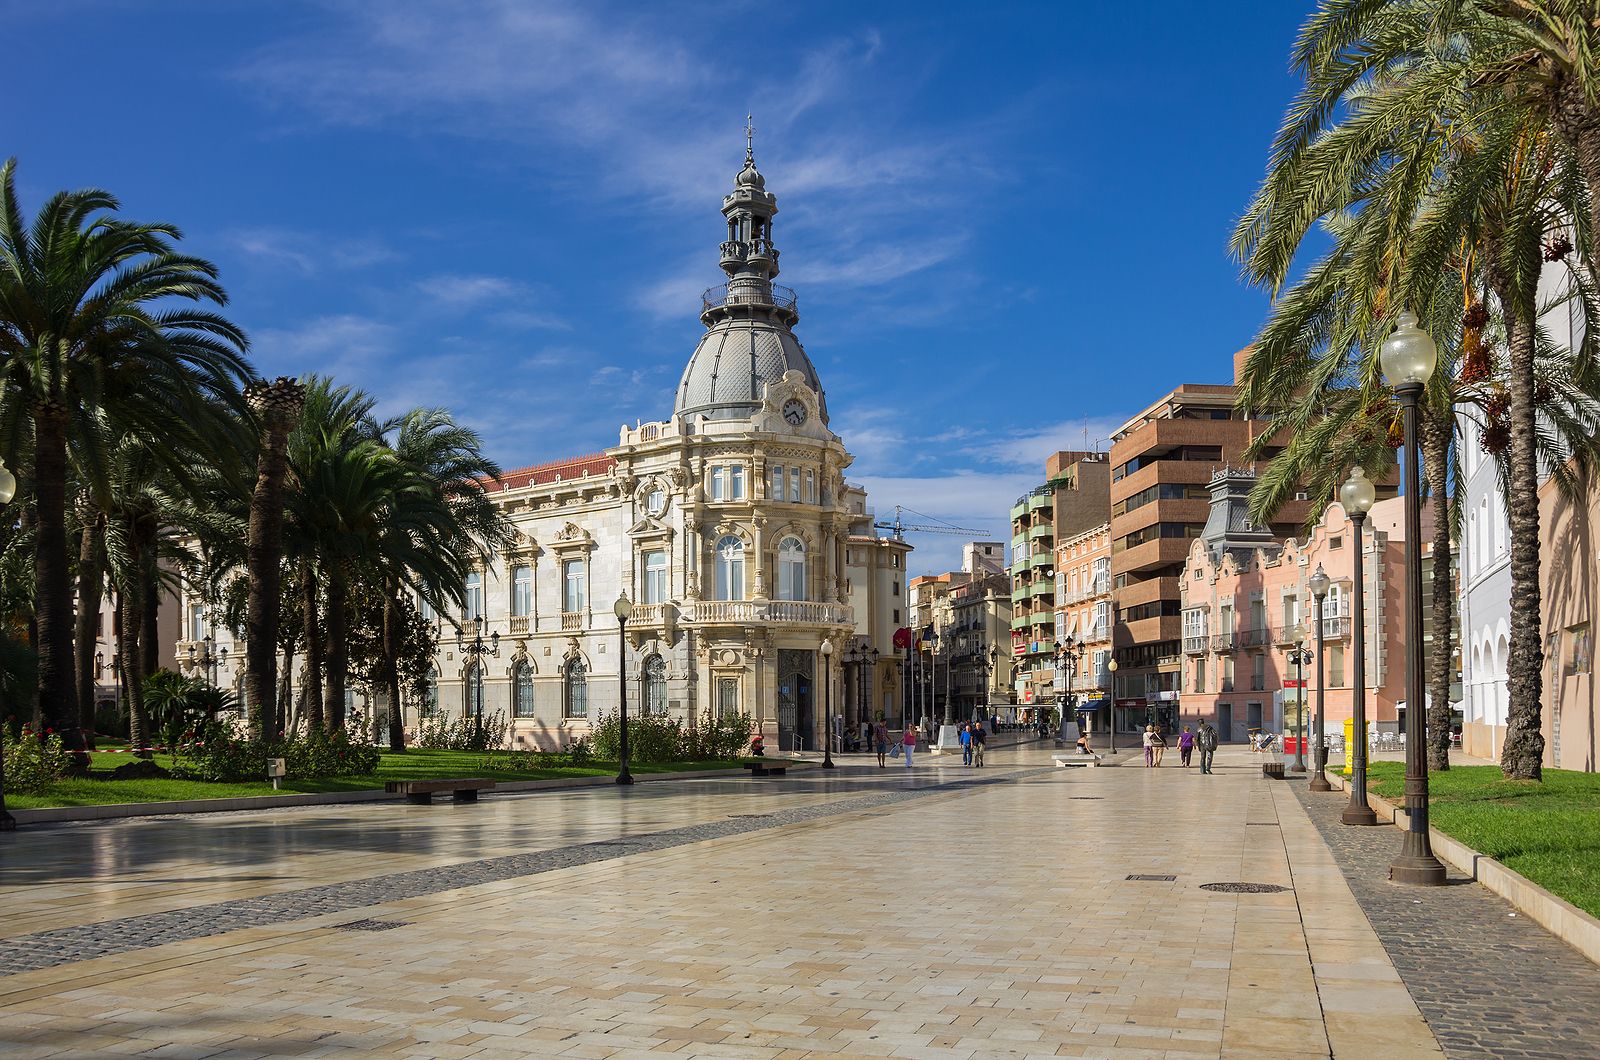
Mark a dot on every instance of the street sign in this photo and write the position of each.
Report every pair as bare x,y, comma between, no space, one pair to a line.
1292,683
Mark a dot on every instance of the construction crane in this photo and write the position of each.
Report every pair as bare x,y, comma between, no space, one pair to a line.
900,527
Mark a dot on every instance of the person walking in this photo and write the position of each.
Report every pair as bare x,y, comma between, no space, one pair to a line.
908,742
1207,739
880,741
978,740
1149,739
1159,744
1186,745
965,736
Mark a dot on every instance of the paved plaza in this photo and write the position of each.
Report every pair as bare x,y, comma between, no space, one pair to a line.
1018,910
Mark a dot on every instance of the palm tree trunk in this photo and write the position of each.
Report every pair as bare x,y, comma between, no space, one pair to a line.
1523,755
91,594
58,691
391,673
312,688
280,719
278,405
1438,428
133,665
338,650
1577,120
150,614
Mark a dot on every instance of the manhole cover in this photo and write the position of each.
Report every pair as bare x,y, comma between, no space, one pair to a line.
1243,888
372,925
1150,878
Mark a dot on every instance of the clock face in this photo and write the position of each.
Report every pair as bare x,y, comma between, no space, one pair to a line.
794,410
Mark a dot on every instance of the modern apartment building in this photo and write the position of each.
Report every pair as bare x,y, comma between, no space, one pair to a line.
1074,498
1162,461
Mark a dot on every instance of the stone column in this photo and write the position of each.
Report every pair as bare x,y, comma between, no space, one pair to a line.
759,523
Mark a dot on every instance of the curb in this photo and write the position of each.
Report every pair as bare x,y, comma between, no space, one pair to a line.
1555,914
119,810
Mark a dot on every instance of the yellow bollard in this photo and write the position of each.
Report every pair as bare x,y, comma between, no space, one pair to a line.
1349,742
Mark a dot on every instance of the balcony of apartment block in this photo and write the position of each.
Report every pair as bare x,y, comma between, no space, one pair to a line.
1045,561
1254,637
1158,552
1152,630
1148,591
1222,642
1044,532
1336,627
1096,633
780,612
1196,645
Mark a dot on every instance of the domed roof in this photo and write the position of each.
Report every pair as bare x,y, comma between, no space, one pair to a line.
733,364
750,177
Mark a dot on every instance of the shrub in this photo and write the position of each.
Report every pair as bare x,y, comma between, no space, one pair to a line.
720,736
463,734
651,738
34,761
325,754
212,753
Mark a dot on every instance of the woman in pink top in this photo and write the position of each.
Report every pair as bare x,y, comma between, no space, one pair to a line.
908,742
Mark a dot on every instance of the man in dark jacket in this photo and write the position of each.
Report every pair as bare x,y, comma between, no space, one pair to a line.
1206,738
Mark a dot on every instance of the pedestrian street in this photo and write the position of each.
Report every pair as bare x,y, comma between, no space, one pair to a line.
1020,910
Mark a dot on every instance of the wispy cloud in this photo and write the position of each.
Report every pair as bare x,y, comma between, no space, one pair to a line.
309,252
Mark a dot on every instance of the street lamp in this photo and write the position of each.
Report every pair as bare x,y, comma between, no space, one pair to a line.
986,666
1112,667
1319,759
827,704
624,611
477,650
1300,655
1357,496
1408,357
209,656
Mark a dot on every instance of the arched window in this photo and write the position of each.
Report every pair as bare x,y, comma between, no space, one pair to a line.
730,568
655,685
522,691
792,569
474,595
575,690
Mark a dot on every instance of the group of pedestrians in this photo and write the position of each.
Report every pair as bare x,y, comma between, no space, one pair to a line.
905,748
1155,745
973,736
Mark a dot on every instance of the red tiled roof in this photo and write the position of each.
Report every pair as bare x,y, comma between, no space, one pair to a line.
571,468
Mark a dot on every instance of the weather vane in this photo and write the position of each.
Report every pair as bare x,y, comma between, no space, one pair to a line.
749,138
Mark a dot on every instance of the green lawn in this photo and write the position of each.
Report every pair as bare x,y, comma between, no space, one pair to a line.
1549,832
413,765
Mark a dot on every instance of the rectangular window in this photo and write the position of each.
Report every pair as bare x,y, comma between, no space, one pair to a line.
1580,652
794,484
197,622
522,591
736,487
572,595
776,492
719,483
1258,672
897,616
425,609
897,586
655,577
1336,665
1227,673
811,487
727,696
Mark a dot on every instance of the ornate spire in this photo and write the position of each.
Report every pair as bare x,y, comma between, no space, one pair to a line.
750,141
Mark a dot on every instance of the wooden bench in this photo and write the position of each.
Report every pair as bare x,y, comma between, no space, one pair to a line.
767,769
421,792
1272,770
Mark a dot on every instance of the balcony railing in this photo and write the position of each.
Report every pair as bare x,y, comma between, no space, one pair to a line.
804,612
1222,641
1194,645
647,614
755,294
571,621
519,625
1336,627
1256,637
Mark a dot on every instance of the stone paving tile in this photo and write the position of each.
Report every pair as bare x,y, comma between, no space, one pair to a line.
1491,983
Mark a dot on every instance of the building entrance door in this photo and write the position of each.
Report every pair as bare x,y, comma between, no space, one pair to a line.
1225,722
795,728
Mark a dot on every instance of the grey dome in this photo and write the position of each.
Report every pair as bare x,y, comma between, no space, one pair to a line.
750,177
734,362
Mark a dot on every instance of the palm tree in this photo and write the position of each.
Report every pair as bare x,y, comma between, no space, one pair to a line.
87,326
276,406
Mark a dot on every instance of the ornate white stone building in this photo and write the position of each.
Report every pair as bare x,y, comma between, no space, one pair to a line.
729,525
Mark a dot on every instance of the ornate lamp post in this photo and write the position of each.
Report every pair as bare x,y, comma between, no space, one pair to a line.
1112,668
1319,761
624,611
8,823
1408,357
1300,655
827,704
986,667
209,656
477,651
1357,496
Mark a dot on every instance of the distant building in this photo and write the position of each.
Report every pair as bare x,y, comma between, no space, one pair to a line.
1084,615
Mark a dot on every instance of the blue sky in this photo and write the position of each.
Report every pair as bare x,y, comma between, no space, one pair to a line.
1007,223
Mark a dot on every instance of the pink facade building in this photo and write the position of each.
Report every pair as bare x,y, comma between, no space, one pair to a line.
1243,593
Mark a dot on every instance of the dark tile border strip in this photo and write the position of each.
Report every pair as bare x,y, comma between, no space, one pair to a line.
49,949
1490,982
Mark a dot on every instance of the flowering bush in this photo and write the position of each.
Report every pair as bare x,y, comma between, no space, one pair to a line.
34,761
326,754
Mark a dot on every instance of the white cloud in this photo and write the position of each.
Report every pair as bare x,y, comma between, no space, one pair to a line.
309,252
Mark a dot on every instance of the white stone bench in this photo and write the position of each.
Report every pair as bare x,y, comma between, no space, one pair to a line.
1074,758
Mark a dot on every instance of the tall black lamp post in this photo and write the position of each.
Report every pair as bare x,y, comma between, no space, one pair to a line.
986,667
624,611
1111,668
477,651
1408,358
8,823
1319,757
827,704
1299,654
1357,496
